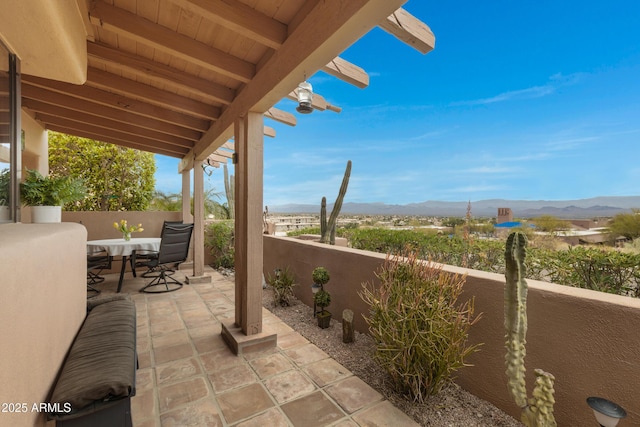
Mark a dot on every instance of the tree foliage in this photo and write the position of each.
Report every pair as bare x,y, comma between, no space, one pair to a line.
173,202
116,178
626,224
550,223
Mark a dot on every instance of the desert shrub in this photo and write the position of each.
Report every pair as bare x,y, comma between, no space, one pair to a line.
419,327
282,283
218,237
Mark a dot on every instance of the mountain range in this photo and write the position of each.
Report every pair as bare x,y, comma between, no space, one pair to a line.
581,208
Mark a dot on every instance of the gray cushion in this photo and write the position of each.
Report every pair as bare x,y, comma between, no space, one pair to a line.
102,361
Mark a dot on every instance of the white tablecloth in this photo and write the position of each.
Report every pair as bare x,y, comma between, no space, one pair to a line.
121,247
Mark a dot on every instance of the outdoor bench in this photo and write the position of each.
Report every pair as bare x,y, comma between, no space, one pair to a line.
98,376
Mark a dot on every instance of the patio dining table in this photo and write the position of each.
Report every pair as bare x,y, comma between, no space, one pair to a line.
123,248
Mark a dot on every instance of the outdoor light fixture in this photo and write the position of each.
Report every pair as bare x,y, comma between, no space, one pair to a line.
305,97
606,412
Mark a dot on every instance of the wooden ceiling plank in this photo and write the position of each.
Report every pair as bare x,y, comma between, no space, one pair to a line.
240,18
348,72
113,83
410,30
144,31
118,101
223,153
281,116
161,73
35,94
331,26
101,121
116,141
111,133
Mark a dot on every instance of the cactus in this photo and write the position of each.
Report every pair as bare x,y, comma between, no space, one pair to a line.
229,189
328,228
538,410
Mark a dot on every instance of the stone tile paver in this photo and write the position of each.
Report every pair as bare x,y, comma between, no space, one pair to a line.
269,365
289,385
305,354
326,371
177,370
234,377
243,403
353,394
384,414
314,410
200,414
177,394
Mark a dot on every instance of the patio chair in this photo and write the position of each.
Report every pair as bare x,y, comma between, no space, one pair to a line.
141,257
174,248
96,261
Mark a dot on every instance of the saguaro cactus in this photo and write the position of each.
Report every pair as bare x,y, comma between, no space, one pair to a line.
328,228
538,410
229,189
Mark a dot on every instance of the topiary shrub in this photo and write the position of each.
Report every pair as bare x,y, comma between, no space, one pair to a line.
419,326
218,237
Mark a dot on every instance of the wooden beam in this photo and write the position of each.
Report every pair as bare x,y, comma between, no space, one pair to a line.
270,132
281,116
318,102
98,121
103,97
347,72
217,158
33,97
120,21
248,223
160,73
111,140
410,30
113,83
141,142
329,27
240,18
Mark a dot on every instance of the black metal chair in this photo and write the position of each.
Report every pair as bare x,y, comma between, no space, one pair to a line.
96,261
174,248
138,259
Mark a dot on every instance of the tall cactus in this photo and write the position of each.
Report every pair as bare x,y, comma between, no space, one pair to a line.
229,189
328,228
538,410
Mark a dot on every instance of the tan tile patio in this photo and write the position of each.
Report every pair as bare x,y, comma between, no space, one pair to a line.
189,377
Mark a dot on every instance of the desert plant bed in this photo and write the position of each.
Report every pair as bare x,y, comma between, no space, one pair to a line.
453,406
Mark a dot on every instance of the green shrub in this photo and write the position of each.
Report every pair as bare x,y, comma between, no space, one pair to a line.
282,283
320,276
322,299
218,237
418,324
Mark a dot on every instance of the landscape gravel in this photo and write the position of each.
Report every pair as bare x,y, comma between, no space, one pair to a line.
452,407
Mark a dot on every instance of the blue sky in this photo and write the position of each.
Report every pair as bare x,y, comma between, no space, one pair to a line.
519,100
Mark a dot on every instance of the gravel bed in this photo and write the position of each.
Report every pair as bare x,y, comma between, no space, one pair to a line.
451,407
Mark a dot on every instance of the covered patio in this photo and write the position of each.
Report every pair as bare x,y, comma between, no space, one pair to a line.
185,78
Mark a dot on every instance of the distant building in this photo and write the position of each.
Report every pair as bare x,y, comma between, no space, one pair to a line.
504,215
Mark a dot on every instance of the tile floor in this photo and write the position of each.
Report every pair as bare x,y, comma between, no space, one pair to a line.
189,377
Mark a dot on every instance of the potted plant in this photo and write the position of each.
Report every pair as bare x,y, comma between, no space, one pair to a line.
323,299
320,277
47,194
5,182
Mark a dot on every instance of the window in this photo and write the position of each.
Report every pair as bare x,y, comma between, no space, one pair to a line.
9,136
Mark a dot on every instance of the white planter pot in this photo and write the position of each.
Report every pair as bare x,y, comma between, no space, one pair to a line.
46,214
4,213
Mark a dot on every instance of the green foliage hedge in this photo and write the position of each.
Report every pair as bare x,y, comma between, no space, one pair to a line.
598,269
219,238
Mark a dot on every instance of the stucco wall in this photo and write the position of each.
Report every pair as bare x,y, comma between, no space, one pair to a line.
42,305
586,339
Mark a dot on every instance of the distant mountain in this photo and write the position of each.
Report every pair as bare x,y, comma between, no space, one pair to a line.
583,208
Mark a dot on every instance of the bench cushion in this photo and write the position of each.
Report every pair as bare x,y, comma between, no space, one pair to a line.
102,360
